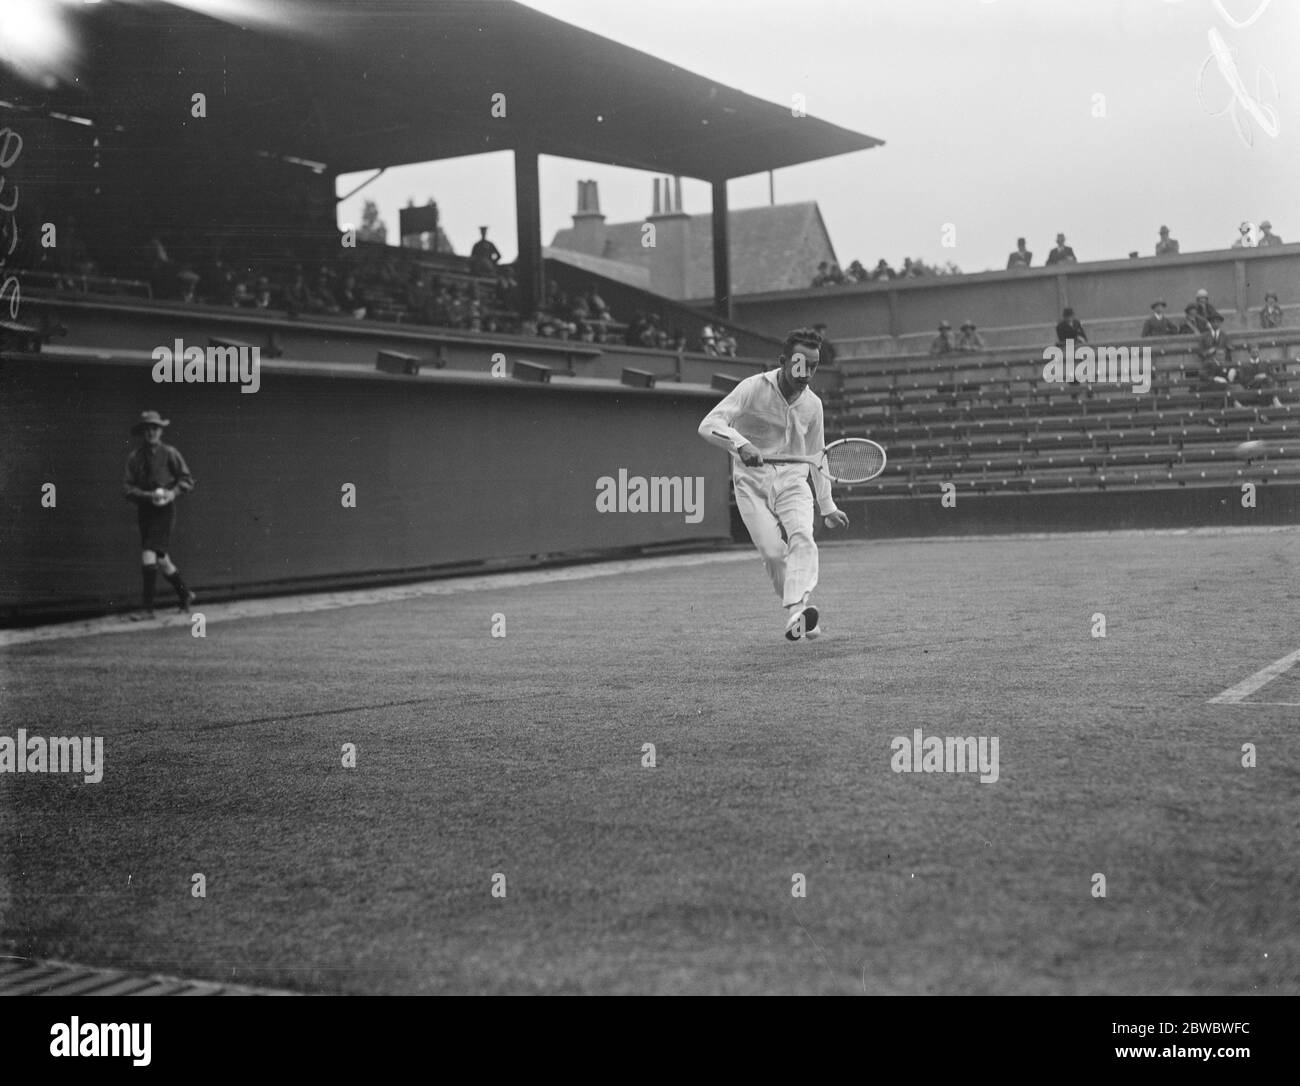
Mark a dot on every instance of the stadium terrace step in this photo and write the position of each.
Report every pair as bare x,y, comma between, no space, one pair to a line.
1202,473
1060,478
1077,461
1202,453
1275,469
1272,431
1119,458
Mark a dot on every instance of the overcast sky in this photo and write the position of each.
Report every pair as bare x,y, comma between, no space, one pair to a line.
1001,117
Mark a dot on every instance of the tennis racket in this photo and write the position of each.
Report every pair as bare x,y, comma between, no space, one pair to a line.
849,460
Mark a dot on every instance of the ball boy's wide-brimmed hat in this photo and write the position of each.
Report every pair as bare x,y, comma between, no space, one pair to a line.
149,418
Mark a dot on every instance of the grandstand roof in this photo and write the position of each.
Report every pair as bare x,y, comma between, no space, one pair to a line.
355,85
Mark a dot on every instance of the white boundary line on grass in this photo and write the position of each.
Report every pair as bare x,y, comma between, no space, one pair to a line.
1235,695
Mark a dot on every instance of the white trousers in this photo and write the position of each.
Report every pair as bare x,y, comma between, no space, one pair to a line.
781,500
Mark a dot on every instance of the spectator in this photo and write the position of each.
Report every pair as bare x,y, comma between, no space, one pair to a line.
823,274
349,298
1062,254
708,339
1245,236
189,281
1271,315
943,342
1215,346
262,298
1068,328
828,351
1166,246
1256,379
323,293
297,298
882,270
1022,257
1266,235
484,257
1204,309
1217,373
1158,324
1193,324
836,277
970,339
908,270
726,343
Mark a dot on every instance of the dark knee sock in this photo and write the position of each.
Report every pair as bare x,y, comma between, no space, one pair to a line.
150,577
174,579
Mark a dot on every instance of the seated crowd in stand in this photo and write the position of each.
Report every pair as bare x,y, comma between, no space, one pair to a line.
391,287
830,275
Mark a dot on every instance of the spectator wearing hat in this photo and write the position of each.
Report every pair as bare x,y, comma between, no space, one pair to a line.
1166,246
1215,345
1022,257
155,475
484,257
882,270
1271,315
943,342
1158,324
970,339
1193,324
1266,235
823,274
1062,254
1204,308
1068,328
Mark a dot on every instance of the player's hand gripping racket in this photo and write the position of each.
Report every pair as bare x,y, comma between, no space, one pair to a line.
849,460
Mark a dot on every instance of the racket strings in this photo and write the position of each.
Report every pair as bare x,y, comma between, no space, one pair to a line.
854,460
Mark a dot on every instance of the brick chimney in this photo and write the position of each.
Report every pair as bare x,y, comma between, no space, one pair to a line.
588,222
670,258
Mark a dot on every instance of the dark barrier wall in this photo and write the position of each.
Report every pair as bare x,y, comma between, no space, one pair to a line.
1112,298
98,324
446,469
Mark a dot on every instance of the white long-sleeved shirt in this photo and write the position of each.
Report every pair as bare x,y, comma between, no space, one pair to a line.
756,413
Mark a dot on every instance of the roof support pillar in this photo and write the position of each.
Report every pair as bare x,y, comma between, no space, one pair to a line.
528,225
721,253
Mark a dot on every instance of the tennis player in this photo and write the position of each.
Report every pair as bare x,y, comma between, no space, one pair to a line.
777,414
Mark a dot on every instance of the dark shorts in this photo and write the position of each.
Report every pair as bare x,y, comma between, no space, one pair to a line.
156,527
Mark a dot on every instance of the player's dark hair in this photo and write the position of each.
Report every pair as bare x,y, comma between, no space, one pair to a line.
801,337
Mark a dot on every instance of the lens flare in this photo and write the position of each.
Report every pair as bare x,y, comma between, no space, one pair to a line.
36,42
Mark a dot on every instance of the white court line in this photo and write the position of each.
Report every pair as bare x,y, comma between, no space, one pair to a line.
1234,694
331,601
